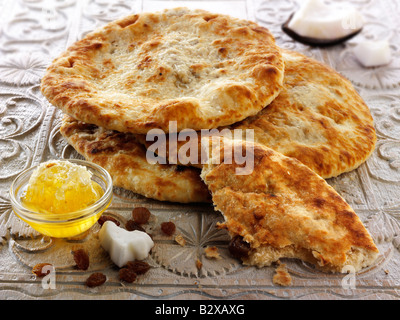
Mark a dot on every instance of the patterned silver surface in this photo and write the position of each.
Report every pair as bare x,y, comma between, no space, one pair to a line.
33,32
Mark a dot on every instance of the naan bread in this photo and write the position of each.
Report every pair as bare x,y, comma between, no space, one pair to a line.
282,209
199,69
125,159
318,118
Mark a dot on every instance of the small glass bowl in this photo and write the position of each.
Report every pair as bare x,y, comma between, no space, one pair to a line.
63,225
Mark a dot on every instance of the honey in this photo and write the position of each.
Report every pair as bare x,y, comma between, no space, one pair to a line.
59,187
62,199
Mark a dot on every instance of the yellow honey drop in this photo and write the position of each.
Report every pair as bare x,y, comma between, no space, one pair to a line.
59,187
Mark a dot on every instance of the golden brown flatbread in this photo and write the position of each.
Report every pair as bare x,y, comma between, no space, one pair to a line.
318,118
199,69
282,209
125,159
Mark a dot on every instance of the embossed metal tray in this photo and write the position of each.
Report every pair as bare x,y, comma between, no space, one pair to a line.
33,32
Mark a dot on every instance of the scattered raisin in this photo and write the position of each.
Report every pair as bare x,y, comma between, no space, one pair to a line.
238,248
168,228
107,218
132,226
96,279
139,267
127,275
81,259
38,269
141,215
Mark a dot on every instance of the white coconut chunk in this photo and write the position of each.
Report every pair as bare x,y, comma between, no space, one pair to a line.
317,20
373,53
124,246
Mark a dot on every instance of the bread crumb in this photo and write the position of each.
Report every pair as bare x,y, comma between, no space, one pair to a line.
199,264
282,276
212,253
180,240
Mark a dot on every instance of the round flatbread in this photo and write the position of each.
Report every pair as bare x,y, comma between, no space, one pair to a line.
199,69
282,209
318,118
125,159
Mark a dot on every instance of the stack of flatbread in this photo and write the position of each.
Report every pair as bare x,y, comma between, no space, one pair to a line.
204,71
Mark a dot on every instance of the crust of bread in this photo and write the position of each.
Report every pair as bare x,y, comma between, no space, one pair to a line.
284,210
138,73
318,118
125,159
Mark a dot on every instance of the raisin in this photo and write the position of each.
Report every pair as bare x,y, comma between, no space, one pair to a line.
38,269
107,218
168,228
238,248
141,215
81,259
132,226
139,267
96,279
127,275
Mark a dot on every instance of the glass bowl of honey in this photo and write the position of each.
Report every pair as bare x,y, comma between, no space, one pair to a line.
61,198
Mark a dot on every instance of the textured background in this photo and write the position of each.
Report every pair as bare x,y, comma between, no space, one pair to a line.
33,32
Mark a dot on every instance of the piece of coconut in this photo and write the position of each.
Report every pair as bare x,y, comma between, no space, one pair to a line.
373,53
316,23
